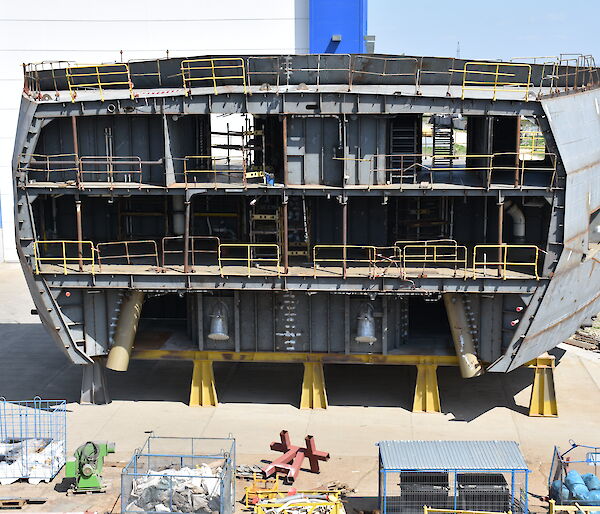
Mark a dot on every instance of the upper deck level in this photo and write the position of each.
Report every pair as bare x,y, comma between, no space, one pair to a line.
316,123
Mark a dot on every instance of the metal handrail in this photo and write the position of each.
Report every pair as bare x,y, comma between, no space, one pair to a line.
488,166
192,251
213,65
212,167
502,262
97,71
500,78
435,254
64,258
249,259
46,163
111,161
128,255
263,58
344,260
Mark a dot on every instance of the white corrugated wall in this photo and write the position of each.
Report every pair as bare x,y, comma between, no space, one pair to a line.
90,32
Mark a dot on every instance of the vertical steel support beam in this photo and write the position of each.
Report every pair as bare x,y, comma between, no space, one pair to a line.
285,238
543,394
76,149
285,152
427,394
186,238
80,233
203,392
344,233
314,395
93,384
500,233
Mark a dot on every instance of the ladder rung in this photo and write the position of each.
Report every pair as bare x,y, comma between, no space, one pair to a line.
264,217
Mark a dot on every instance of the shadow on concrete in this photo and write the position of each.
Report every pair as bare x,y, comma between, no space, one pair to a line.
33,365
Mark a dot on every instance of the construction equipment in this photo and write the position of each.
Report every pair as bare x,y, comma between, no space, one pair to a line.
86,466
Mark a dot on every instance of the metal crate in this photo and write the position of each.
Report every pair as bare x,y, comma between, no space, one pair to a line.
483,491
578,457
175,469
32,439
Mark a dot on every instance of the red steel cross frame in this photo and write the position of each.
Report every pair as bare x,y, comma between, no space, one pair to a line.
293,456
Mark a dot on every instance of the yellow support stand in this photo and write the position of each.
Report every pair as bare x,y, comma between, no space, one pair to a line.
427,394
203,392
543,395
314,395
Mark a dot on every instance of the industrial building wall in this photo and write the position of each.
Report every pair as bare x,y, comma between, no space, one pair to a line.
90,32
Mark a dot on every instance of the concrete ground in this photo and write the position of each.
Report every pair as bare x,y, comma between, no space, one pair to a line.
367,404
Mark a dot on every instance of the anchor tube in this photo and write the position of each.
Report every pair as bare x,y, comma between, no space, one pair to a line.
462,336
131,309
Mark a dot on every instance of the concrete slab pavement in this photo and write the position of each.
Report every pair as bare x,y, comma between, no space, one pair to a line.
368,404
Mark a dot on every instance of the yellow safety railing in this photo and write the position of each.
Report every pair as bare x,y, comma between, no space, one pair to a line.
433,255
343,260
131,251
98,76
81,256
429,510
193,165
501,261
249,258
502,77
308,505
573,508
216,70
48,164
532,144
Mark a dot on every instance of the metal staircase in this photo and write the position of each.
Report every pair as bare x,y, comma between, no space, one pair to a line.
443,146
404,146
265,226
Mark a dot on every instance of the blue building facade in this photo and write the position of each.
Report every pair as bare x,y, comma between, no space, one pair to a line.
338,26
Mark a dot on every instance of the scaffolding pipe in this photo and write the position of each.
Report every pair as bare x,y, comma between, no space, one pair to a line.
127,324
284,214
76,147
344,234
462,334
186,238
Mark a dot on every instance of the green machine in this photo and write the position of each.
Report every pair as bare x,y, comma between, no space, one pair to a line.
86,466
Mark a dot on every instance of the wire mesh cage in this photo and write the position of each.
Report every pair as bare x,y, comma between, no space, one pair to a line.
408,492
575,475
462,488
32,439
177,474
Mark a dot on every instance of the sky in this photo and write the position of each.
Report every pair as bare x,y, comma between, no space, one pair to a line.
486,29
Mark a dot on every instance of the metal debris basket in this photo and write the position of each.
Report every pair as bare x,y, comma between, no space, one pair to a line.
578,457
32,439
169,473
